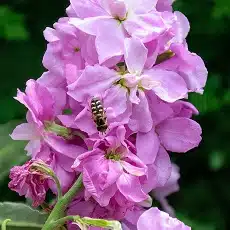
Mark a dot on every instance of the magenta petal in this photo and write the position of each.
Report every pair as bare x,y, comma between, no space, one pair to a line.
147,146
130,187
62,146
93,82
171,86
135,55
179,134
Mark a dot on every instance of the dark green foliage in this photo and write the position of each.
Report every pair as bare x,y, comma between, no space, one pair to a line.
204,199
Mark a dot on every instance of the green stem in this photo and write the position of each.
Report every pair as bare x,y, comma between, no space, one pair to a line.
61,205
5,223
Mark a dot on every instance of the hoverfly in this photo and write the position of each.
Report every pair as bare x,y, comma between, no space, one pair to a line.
99,115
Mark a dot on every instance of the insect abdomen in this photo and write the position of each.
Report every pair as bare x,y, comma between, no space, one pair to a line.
99,115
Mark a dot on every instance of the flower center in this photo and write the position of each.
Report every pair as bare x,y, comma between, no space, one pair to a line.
58,129
112,155
77,49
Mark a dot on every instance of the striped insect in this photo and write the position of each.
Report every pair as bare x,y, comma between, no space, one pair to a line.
99,115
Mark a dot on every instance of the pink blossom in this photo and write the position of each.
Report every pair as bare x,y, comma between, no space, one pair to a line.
68,45
43,106
110,167
112,21
29,183
188,65
130,87
154,219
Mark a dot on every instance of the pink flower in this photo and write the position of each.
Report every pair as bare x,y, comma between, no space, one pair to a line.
154,219
44,105
110,167
112,21
170,187
130,86
172,129
68,45
188,65
29,183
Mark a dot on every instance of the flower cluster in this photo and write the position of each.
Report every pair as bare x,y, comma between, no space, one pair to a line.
112,106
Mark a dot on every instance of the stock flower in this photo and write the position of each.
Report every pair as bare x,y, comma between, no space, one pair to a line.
41,129
112,21
68,45
131,85
29,183
188,65
110,167
154,219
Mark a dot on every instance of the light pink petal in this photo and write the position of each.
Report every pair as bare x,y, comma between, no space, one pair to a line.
116,98
163,167
132,169
141,6
51,35
49,79
33,147
147,146
141,119
171,86
68,121
130,187
84,122
146,27
91,25
93,82
135,55
110,40
154,219
87,8
160,110
114,172
179,134
60,97
183,27
116,8
26,132
52,60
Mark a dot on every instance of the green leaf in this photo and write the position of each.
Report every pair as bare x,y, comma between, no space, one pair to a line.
216,160
21,216
11,152
12,25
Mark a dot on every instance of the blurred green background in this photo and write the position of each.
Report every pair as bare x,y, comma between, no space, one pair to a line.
204,198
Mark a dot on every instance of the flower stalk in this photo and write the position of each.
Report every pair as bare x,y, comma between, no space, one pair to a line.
57,214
